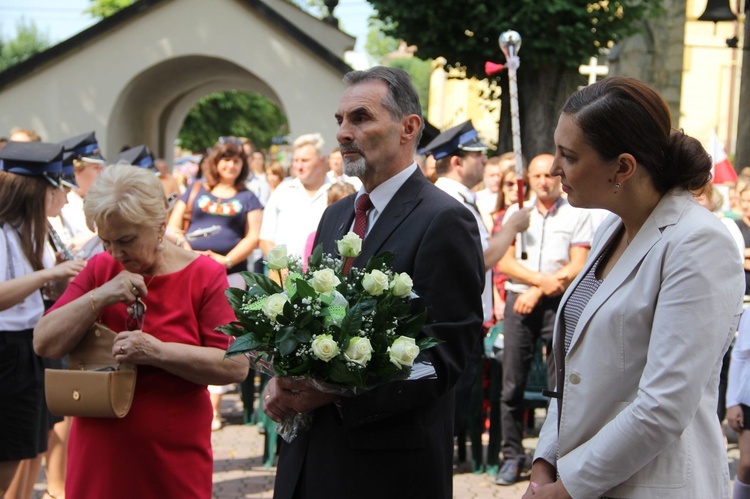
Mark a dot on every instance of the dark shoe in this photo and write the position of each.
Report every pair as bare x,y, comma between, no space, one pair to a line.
509,474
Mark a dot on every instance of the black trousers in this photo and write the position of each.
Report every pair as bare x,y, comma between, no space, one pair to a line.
521,334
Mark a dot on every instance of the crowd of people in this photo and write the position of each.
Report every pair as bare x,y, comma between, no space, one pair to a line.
622,272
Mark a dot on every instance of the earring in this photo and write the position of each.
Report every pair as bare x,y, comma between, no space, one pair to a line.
160,246
617,185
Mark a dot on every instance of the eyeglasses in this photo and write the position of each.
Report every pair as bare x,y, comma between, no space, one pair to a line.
136,315
510,185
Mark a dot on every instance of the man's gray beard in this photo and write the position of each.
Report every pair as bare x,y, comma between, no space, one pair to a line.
354,168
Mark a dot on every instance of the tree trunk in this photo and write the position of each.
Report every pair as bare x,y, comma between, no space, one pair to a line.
541,93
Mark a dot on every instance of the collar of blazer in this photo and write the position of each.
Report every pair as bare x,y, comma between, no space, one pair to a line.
667,212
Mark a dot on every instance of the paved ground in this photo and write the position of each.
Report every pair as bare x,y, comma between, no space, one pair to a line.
239,472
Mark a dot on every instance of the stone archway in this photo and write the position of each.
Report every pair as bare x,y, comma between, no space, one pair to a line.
133,77
151,107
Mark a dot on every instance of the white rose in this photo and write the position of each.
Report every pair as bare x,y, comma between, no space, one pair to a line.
324,281
403,351
350,245
359,351
274,305
277,258
375,282
401,285
324,347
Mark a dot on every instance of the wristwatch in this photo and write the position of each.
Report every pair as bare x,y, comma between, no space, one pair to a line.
228,263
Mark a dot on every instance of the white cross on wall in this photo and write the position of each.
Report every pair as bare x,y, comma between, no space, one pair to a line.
593,69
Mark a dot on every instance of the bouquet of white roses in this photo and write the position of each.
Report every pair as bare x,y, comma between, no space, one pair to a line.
344,333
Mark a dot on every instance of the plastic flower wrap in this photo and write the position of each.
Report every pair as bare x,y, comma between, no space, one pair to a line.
342,334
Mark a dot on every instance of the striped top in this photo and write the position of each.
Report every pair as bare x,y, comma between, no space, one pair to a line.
580,297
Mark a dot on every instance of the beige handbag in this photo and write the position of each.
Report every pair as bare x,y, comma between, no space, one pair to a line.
95,385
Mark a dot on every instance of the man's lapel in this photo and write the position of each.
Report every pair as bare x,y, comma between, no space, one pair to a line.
401,205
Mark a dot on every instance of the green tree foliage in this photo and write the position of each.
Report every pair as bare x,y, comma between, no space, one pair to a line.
419,71
104,8
232,113
378,44
28,41
558,35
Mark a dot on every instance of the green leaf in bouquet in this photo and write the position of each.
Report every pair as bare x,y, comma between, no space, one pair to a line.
340,372
316,257
262,330
286,341
379,261
382,368
352,322
243,344
300,369
412,326
305,290
428,342
303,335
314,327
232,329
259,284
235,296
288,316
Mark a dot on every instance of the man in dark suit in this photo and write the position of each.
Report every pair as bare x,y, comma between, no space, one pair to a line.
395,440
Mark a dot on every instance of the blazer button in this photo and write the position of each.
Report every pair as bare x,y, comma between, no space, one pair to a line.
574,379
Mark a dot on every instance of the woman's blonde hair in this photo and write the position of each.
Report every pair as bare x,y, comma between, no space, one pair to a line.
133,193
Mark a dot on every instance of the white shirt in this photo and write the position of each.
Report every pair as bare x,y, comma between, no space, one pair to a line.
734,230
258,185
74,221
486,201
464,195
26,314
382,195
353,181
550,237
291,215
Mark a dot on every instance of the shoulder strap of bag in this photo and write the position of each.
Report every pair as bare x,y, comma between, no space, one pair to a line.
188,215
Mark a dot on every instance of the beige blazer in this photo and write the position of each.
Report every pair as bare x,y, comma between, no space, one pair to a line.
640,380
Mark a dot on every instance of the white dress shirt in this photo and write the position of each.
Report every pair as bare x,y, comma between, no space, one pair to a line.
291,215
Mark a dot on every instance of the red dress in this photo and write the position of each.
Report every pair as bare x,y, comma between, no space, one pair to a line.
162,448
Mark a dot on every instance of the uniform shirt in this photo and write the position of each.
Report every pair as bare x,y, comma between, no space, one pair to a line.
549,238
464,195
26,314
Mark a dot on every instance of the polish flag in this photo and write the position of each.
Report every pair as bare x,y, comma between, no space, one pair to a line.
722,169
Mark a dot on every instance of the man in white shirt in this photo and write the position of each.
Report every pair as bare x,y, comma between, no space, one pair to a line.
294,209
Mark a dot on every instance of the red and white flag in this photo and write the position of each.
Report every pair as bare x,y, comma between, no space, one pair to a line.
722,169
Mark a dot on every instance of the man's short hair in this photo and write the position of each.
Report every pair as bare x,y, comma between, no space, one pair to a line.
313,139
402,98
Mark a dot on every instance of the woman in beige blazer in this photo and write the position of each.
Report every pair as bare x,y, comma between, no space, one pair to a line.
641,332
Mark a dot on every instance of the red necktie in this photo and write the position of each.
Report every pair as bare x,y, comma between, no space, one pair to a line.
360,222
360,215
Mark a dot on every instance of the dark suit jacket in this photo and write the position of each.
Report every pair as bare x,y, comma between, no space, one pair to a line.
397,440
